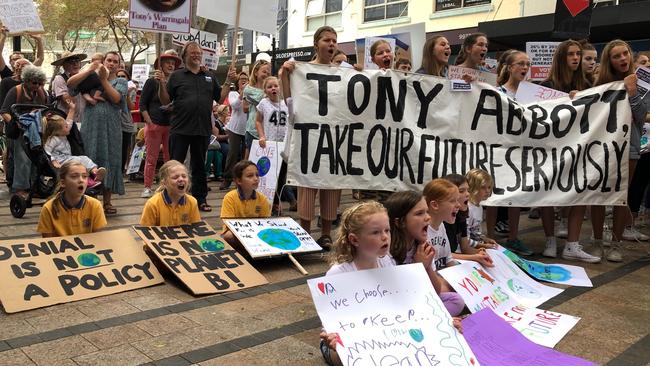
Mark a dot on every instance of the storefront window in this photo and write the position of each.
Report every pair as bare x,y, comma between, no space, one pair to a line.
384,9
455,4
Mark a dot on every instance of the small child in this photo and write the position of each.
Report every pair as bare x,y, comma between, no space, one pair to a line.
271,123
243,202
58,147
70,211
480,188
171,205
403,64
91,87
409,225
442,203
461,246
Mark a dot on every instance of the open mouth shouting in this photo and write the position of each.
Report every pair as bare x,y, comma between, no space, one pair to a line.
81,188
482,55
386,62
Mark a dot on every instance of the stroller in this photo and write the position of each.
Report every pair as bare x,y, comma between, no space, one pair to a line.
43,183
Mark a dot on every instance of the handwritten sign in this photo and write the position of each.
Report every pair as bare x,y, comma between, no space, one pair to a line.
208,41
158,16
200,258
388,316
268,161
528,291
42,272
272,236
643,80
563,274
494,342
457,72
480,290
137,156
531,93
541,58
140,73
20,16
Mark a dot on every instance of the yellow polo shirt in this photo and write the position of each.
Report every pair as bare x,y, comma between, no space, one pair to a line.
236,206
85,217
160,211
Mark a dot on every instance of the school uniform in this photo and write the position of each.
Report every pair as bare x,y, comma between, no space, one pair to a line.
236,206
161,211
85,217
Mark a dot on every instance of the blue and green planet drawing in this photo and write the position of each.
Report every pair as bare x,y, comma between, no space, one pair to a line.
212,245
263,165
541,271
279,238
88,259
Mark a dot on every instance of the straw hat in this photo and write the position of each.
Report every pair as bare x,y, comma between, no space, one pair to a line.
67,55
169,56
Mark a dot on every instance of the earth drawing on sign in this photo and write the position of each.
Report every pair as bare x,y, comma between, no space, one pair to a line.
264,165
279,238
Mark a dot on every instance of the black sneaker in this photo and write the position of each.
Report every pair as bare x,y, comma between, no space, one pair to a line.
325,242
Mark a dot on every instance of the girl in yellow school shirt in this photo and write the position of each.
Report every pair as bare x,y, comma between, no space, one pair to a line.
70,211
244,202
171,205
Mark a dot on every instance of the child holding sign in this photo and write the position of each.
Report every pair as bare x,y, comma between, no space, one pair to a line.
70,211
244,202
171,205
409,223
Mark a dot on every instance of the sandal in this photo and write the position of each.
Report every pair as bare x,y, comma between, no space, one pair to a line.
109,209
205,207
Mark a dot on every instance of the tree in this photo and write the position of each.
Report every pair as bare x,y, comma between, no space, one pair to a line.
66,19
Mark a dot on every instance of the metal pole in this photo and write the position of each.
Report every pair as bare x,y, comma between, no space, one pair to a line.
16,43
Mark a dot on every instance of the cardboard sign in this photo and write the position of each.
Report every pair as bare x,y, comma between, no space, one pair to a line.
160,16
541,58
457,72
20,16
480,290
268,161
137,156
200,258
41,272
396,131
272,236
208,41
495,342
531,93
140,73
257,15
643,80
529,292
563,274
389,316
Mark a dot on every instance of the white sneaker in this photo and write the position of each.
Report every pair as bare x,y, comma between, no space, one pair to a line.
146,193
614,253
562,231
631,234
550,250
575,252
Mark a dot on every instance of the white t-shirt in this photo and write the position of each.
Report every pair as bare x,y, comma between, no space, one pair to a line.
440,242
474,220
237,124
385,261
275,117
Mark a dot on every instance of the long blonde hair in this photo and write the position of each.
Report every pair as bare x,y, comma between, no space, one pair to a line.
352,221
51,125
252,79
164,174
476,179
63,172
607,73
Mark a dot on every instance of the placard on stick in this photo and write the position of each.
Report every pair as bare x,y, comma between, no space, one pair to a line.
41,272
272,236
200,258
20,16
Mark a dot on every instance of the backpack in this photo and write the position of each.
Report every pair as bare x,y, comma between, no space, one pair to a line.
12,130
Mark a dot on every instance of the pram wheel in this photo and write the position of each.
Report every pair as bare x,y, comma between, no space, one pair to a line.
18,206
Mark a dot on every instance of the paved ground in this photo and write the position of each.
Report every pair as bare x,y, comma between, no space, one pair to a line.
276,324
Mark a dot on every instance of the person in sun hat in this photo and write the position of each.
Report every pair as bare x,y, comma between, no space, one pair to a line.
156,120
71,64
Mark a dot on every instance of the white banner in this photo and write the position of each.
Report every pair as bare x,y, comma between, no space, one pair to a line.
268,161
389,316
541,58
393,131
479,290
208,41
20,16
272,236
160,16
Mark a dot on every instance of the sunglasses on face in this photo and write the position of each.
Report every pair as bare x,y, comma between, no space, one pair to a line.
37,83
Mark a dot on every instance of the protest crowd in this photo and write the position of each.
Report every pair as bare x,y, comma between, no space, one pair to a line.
81,133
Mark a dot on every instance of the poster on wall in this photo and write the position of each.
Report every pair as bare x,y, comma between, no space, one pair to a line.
170,16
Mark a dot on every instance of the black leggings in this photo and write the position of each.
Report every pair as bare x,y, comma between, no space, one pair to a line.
639,183
126,146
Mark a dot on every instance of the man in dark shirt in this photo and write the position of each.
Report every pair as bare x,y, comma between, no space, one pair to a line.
192,91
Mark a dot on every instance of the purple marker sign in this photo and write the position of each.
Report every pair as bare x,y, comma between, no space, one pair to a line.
495,342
